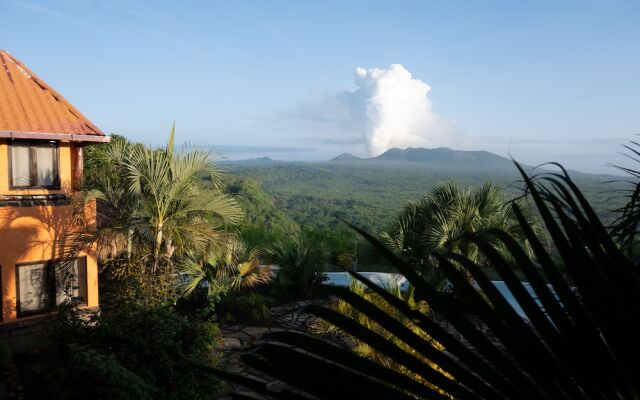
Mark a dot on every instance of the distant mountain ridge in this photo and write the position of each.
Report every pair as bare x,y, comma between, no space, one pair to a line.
253,161
346,157
442,157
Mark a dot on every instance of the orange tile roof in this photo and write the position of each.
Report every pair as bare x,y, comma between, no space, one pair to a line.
31,108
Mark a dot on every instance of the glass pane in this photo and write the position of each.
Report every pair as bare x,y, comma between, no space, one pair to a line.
45,159
71,281
20,165
32,287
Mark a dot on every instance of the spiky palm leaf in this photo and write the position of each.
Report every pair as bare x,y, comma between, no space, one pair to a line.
579,340
231,266
321,327
626,225
300,261
438,220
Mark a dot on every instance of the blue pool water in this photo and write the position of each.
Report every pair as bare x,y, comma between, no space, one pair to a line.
383,279
506,293
386,279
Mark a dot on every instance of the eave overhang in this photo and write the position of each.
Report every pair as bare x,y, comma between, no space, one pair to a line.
55,136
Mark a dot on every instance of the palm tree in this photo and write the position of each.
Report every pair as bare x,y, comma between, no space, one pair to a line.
160,201
437,221
231,266
178,210
105,181
301,261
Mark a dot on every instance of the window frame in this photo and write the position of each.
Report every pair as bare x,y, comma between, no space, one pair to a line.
50,282
33,164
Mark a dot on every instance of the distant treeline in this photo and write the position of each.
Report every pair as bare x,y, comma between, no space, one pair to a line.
320,194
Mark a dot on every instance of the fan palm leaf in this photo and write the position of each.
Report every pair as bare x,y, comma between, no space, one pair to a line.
578,340
230,266
157,200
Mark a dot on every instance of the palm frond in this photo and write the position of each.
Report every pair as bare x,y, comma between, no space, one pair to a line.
577,339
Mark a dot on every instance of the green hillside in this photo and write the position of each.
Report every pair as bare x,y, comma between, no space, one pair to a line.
264,221
368,192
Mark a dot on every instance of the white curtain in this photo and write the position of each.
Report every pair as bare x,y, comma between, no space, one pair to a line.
20,165
45,159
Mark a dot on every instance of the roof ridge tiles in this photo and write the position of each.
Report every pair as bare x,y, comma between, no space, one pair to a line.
29,105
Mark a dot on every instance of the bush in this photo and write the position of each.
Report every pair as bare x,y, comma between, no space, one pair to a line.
128,352
250,308
301,264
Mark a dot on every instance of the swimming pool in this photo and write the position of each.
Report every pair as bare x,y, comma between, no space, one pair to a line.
388,279
383,279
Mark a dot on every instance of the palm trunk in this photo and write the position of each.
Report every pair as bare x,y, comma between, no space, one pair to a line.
170,248
129,243
158,246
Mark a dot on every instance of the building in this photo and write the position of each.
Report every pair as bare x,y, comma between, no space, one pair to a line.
42,260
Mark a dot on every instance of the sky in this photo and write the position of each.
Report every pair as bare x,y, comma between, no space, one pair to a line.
308,80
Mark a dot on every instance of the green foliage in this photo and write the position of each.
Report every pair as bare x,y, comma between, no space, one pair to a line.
300,262
232,266
346,260
579,339
437,221
365,194
264,223
156,205
127,352
245,308
126,280
336,241
625,227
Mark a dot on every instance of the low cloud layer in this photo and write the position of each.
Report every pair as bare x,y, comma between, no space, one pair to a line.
389,108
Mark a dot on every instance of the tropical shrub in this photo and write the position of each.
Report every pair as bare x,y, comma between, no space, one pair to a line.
437,222
347,260
127,352
300,262
230,267
250,308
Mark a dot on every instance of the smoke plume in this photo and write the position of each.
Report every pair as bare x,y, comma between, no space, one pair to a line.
388,108
397,110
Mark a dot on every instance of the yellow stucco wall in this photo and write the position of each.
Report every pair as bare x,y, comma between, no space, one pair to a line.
38,233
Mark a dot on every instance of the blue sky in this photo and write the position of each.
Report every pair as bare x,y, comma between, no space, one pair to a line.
555,80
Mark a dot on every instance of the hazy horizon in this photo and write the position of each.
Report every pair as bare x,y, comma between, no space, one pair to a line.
312,155
544,81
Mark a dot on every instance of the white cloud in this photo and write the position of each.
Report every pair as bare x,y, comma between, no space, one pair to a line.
389,108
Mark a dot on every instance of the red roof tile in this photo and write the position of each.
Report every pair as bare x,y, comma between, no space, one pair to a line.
28,106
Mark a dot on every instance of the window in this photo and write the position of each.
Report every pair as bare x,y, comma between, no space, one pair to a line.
32,288
45,285
71,282
34,165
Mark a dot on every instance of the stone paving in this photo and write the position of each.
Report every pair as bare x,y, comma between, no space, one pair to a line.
236,338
